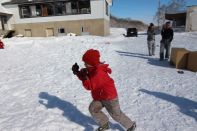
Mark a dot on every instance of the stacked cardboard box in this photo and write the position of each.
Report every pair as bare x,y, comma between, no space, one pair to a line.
175,57
192,61
181,59
184,59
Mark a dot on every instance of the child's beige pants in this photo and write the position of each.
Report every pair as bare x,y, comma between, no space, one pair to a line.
113,108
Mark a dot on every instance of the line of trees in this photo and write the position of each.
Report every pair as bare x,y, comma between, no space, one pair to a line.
126,23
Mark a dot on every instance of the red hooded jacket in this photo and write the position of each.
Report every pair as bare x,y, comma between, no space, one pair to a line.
1,45
100,83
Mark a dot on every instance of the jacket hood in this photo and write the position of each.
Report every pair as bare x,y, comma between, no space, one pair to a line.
91,57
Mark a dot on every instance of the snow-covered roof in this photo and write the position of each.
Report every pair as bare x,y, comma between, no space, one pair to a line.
3,1
4,11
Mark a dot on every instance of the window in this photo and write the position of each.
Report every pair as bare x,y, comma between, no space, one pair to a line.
84,6
61,30
38,10
49,32
28,33
33,10
30,11
84,30
68,8
60,8
74,7
25,12
48,9
57,8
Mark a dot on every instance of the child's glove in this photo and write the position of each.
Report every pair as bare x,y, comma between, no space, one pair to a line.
83,74
75,69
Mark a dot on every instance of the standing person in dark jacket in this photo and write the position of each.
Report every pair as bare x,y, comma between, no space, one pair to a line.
167,37
151,39
95,77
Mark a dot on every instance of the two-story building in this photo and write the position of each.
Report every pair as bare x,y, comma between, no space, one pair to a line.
43,18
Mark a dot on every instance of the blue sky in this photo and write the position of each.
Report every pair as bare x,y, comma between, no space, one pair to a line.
143,10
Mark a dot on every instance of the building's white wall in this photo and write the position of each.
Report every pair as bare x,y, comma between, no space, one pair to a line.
194,21
97,12
97,7
191,20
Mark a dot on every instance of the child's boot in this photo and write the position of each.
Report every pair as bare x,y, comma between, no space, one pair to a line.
104,127
132,128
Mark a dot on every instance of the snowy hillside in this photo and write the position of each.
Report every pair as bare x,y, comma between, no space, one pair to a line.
38,91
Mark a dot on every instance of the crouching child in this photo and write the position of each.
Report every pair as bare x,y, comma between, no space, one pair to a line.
95,77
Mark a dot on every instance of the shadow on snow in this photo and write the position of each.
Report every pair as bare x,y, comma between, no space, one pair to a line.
71,112
186,106
151,61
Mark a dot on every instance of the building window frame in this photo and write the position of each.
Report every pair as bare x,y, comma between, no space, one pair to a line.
61,30
58,8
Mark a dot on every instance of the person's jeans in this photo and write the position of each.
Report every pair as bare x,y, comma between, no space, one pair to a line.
165,44
151,47
113,108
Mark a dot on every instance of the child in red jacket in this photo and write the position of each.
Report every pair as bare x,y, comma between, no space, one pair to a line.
1,45
95,77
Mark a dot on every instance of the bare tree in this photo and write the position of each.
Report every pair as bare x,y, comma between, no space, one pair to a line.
173,6
160,14
176,6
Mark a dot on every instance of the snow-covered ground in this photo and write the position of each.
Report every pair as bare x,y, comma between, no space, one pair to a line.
38,91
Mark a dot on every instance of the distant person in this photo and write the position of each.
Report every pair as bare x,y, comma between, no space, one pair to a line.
167,36
151,39
95,77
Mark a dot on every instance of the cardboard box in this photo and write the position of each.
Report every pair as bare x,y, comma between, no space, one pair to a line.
173,54
192,61
182,59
